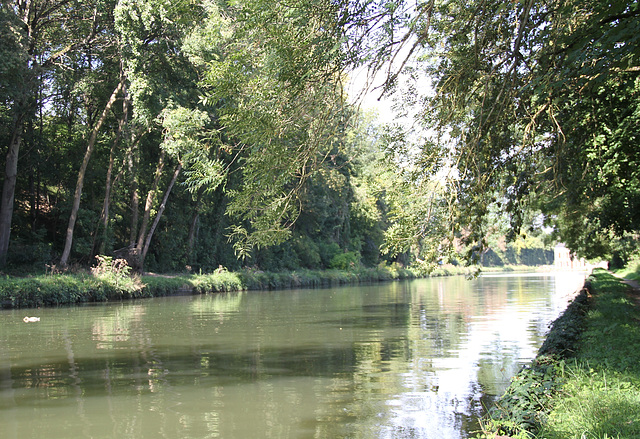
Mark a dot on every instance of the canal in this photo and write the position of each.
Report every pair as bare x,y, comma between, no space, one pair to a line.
412,359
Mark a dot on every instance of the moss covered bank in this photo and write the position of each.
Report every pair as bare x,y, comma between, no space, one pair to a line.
585,381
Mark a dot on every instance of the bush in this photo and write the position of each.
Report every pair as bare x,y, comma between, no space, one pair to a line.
308,252
327,252
158,286
345,261
218,281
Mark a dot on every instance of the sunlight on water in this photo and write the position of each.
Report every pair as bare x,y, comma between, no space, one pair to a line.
418,359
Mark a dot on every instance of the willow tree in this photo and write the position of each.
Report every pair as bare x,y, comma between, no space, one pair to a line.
535,105
278,94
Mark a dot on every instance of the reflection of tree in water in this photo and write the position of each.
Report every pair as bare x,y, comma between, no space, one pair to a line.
112,329
219,303
407,362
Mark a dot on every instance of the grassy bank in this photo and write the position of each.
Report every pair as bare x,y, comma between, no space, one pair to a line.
585,383
109,282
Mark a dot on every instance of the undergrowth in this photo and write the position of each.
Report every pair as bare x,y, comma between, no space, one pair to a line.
631,271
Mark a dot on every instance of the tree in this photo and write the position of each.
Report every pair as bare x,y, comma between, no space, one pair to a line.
147,37
536,105
277,85
83,169
32,34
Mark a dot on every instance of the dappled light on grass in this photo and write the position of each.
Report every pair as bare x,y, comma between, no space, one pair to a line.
596,404
602,396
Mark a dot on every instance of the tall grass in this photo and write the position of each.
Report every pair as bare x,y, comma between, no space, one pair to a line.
64,289
595,403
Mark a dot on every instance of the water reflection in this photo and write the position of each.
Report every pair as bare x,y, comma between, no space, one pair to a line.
417,359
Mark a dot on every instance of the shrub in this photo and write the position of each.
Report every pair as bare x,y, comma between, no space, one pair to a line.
158,286
345,261
220,280
327,252
115,279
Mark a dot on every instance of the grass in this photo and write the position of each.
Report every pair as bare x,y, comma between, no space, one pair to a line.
523,408
601,398
595,403
588,392
631,271
111,280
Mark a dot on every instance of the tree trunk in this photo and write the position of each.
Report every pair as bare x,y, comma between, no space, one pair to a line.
81,173
149,204
109,183
11,164
104,215
193,227
156,220
8,191
193,231
132,159
135,196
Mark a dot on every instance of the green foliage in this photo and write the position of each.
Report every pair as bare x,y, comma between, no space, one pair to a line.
532,107
219,281
57,289
32,253
327,252
595,405
630,271
114,272
280,101
345,261
278,168
159,286
308,252
182,129
523,408
13,55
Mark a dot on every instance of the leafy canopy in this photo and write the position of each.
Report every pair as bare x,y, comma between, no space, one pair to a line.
536,105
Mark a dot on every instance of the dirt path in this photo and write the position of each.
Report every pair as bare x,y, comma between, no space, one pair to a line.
634,292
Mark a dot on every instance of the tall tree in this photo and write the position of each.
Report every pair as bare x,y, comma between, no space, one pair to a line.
83,169
38,35
279,94
536,104
171,41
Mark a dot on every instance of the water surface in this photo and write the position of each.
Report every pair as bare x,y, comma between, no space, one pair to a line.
415,359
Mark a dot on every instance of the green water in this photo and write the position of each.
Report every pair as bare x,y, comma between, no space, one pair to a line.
416,359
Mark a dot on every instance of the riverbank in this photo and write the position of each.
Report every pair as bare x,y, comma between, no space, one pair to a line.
585,381
112,281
